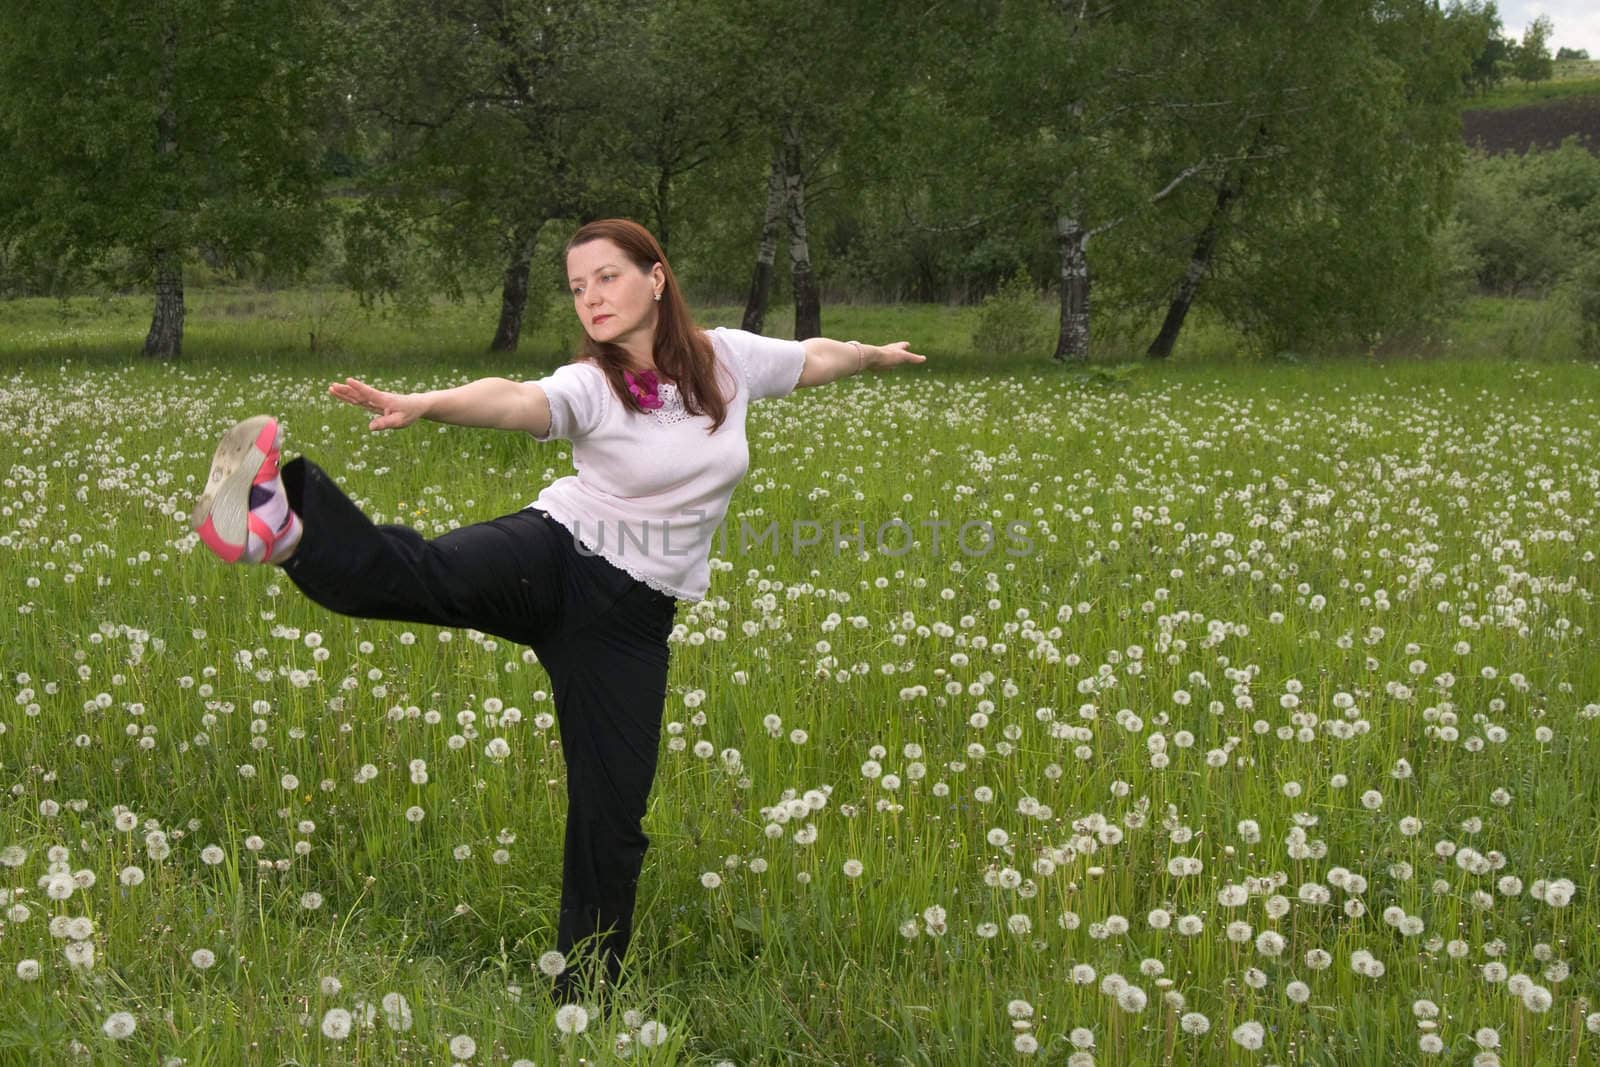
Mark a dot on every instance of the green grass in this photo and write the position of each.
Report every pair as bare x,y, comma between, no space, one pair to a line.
1577,70
1228,527
1522,94
261,329
224,325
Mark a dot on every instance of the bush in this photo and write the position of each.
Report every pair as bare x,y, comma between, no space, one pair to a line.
1011,320
1524,222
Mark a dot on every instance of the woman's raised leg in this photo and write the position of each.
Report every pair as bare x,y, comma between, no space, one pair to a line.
499,576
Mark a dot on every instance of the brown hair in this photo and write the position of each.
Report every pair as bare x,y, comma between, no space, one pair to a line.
682,351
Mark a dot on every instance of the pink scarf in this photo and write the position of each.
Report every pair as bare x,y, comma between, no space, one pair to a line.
643,387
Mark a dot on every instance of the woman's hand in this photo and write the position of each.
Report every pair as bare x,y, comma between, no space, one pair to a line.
394,409
897,352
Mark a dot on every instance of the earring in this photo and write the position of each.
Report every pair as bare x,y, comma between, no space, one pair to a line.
658,297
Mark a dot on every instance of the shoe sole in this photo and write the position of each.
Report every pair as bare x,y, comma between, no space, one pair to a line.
224,506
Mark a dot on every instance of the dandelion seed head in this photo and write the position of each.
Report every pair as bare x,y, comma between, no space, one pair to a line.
336,1024
572,1019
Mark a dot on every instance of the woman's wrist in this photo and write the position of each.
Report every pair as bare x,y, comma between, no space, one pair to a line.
861,355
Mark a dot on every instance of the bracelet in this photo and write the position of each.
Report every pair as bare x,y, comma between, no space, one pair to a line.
861,356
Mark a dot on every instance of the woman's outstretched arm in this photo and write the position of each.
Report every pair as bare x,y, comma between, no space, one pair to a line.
498,403
828,361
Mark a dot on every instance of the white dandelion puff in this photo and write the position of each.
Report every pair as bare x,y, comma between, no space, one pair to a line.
1249,1035
336,1024
396,1011
572,1019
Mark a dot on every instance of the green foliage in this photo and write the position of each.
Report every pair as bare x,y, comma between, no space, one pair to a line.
1499,328
86,190
1011,321
1459,261
1526,221
1531,60
1546,328
379,254
1492,50
459,132
486,121
1334,195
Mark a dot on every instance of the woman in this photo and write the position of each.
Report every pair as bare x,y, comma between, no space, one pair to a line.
590,574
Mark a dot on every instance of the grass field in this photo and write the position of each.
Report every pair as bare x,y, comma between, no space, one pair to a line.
1276,746
1571,78
316,332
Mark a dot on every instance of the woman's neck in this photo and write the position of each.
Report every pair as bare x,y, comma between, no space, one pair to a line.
640,352
632,364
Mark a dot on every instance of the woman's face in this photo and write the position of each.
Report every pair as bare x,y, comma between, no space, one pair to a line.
614,299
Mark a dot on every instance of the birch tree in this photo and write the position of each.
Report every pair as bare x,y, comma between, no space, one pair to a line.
755,305
812,85
1089,83
1158,134
1323,228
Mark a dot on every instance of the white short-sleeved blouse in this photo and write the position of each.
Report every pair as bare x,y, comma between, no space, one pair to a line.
652,487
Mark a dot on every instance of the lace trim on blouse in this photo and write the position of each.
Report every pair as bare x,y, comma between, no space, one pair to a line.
671,410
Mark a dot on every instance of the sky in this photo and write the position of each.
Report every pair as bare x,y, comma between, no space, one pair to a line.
1577,22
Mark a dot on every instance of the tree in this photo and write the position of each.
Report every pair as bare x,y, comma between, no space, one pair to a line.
691,76
137,133
1288,177
1490,61
1356,149
755,303
1531,60
801,111
1571,53
1326,232
1526,219
1060,106
495,120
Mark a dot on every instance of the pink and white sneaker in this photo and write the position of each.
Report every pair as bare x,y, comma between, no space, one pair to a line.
244,515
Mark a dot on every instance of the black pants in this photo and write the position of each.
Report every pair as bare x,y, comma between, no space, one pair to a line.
600,633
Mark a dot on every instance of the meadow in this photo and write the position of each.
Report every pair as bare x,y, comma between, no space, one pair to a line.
1277,744
1570,77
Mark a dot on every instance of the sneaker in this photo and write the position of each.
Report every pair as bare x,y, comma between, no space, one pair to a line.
244,515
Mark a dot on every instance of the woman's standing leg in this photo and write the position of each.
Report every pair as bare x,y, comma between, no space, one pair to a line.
610,685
